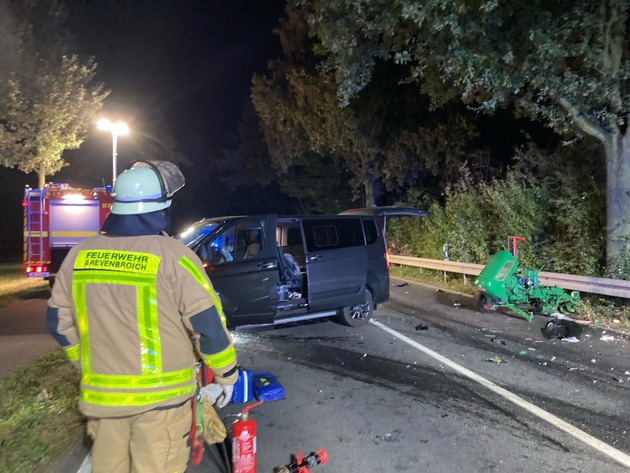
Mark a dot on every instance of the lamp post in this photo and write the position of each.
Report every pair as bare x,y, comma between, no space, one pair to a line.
118,128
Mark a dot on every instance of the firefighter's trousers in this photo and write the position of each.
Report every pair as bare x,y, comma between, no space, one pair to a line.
152,442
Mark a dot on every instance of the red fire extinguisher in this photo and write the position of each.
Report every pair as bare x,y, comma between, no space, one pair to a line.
244,442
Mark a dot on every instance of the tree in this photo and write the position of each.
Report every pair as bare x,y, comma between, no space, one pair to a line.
561,62
47,99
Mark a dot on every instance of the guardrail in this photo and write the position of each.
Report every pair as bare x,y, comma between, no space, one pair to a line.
603,286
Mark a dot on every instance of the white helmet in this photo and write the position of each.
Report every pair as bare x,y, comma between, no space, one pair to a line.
146,187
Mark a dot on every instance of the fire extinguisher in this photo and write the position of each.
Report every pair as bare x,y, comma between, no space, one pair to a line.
244,442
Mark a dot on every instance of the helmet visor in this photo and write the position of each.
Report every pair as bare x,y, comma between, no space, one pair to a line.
171,177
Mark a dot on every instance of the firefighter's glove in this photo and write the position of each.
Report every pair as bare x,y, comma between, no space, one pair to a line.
226,396
218,394
213,427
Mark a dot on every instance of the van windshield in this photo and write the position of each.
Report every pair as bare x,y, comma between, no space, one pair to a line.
197,232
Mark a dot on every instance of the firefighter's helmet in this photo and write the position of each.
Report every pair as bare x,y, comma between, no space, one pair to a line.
147,186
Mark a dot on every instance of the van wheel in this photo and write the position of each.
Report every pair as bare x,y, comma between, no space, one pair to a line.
359,314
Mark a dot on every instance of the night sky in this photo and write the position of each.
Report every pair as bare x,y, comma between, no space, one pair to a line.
186,65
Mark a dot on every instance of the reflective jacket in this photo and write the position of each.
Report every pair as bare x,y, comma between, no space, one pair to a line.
129,311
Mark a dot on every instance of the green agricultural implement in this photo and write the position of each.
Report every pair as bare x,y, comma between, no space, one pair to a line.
502,283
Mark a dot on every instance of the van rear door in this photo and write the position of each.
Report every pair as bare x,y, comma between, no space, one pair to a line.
336,262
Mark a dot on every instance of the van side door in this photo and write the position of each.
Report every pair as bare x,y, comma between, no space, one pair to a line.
336,262
242,264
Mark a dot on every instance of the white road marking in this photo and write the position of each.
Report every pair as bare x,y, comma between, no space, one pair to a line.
597,444
86,466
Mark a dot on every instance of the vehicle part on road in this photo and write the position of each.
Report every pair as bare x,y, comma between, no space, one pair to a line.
299,465
244,442
561,328
497,360
358,314
502,283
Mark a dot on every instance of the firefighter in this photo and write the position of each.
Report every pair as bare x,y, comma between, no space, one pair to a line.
130,307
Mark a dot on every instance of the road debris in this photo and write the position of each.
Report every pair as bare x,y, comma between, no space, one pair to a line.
523,352
561,328
403,284
571,340
457,304
422,327
607,338
497,360
498,341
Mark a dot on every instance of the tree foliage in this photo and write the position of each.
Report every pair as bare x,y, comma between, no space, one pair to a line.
561,62
47,96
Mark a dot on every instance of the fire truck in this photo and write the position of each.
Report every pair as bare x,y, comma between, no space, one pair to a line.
56,218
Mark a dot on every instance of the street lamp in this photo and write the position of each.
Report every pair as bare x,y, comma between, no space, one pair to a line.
119,128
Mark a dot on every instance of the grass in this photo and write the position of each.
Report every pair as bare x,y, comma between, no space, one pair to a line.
39,419
15,286
609,311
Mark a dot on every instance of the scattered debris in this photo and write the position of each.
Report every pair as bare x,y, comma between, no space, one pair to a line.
457,304
497,360
498,341
422,327
573,368
403,284
439,290
616,321
560,316
627,373
523,352
593,360
561,328
571,340
607,338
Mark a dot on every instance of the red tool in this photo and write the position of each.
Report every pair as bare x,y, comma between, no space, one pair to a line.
303,465
244,442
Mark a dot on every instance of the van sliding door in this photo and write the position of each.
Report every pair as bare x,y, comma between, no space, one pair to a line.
336,262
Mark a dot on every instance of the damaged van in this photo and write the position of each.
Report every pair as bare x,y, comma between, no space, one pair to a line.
269,269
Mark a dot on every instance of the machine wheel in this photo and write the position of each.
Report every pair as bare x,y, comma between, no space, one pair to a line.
358,314
485,304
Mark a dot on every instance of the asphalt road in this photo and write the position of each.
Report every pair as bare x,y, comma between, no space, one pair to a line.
391,397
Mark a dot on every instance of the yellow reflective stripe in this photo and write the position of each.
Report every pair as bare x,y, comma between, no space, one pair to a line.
150,344
133,399
72,352
80,308
35,234
112,381
147,314
199,277
221,359
67,234
115,260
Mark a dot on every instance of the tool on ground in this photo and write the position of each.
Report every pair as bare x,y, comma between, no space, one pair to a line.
244,442
301,465
502,283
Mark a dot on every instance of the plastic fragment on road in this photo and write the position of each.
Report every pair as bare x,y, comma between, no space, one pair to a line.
523,352
496,360
607,338
457,304
571,340
498,341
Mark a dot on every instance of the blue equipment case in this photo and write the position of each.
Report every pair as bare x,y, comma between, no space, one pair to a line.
267,387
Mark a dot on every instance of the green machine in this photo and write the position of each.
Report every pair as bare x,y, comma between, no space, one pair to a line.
502,283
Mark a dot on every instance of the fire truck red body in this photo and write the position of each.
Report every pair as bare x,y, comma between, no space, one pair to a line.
56,218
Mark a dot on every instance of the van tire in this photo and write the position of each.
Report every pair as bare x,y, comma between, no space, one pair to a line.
359,314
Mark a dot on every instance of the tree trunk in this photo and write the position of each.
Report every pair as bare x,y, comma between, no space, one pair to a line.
370,201
617,204
41,175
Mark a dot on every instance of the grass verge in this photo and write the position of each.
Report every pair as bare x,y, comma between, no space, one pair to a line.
609,311
15,286
39,419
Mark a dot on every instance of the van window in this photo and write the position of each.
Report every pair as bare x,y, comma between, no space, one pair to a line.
221,249
250,239
371,231
333,234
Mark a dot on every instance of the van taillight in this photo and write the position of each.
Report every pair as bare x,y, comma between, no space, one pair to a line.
387,257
